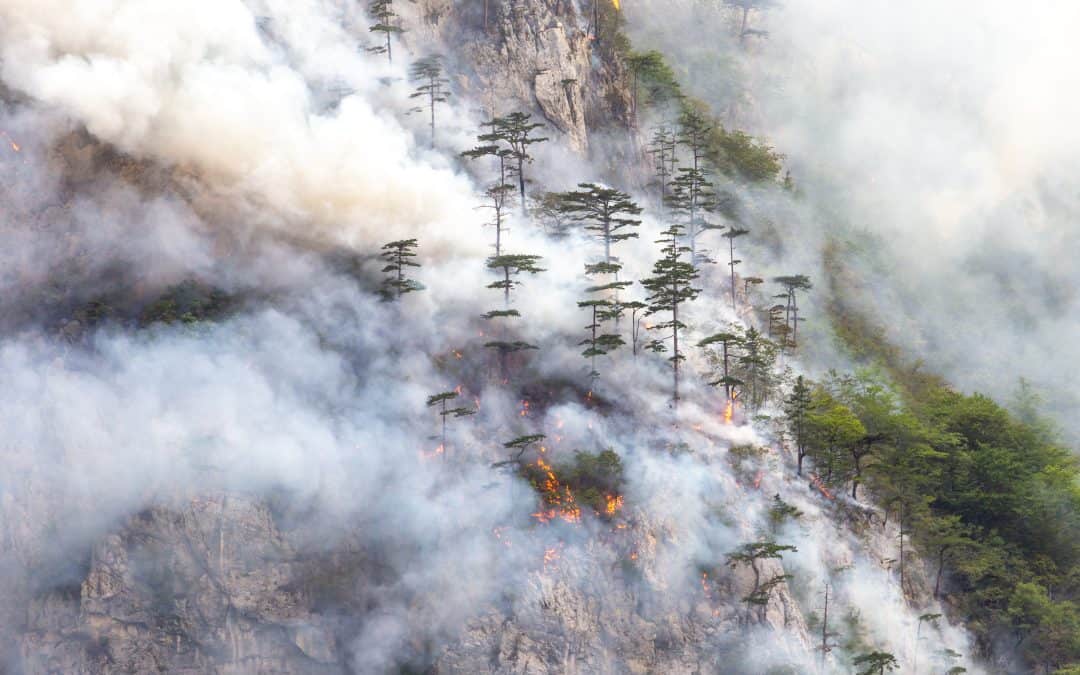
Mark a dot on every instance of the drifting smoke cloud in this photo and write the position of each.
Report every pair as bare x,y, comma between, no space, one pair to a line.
316,387
944,133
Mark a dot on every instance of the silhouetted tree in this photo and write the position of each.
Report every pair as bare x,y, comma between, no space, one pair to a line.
441,400
398,256
383,13
669,288
428,71
516,132
732,234
606,213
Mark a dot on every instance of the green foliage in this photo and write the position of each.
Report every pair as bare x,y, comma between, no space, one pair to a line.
875,663
398,256
780,511
188,302
655,83
595,479
606,213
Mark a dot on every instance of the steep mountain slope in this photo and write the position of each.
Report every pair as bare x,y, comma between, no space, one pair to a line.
220,458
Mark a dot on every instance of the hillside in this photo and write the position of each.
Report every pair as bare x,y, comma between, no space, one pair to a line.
479,337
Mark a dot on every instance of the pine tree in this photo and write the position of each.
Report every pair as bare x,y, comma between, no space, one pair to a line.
398,256
692,194
602,311
745,7
792,284
518,447
606,213
726,342
754,367
441,400
636,311
876,663
515,131
428,71
796,408
750,554
669,288
732,234
383,13
499,193
662,149
509,266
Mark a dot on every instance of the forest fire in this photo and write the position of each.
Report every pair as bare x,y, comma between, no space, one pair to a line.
816,481
437,452
729,411
558,497
524,409
551,556
613,503
14,146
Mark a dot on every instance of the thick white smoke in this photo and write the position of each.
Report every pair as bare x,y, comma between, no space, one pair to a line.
942,130
315,387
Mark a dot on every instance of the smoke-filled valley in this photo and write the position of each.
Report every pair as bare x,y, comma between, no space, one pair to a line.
535,336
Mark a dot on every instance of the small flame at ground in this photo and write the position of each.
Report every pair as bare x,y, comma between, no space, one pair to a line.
14,146
816,481
729,412
613,504
559,498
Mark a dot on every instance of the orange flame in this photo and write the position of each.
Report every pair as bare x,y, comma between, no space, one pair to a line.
14,146
618,7
524,409
820,485
551,556
613,504
558,497
729,411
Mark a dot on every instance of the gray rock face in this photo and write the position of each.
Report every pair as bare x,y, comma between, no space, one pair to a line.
212,587
535,56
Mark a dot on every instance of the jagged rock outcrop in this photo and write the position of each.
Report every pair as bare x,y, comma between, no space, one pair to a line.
538,55
211,587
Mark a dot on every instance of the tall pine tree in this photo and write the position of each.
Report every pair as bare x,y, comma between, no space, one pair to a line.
670,287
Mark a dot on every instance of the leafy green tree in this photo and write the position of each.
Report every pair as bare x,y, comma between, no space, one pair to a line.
669,288
383,13
831,428
797,407
442,401
428,72
731,235
655,83
514,132
606,214
876,663
398,256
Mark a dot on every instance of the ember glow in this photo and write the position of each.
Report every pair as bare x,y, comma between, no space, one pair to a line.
558,497
816,481
729,411
612,504
14,146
